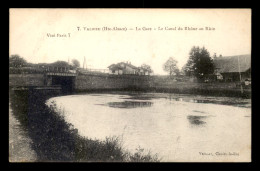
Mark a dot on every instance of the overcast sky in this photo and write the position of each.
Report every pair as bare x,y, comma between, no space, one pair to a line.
29,29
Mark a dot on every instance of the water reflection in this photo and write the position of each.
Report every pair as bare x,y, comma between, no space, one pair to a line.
196,120
214,101
198,111
130,104
138,98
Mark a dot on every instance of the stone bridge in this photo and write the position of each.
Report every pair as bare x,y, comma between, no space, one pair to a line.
64,79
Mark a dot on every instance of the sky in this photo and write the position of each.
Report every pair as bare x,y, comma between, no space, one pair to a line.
29,30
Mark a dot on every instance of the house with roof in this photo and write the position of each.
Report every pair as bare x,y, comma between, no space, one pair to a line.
123,68
231,67
126,68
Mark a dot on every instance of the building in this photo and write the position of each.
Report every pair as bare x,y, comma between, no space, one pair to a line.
123,68
231,67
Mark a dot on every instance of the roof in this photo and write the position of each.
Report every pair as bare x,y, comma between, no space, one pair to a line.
128,64
111,66
232,63
115,66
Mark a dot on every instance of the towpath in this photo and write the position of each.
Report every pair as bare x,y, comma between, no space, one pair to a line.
19,142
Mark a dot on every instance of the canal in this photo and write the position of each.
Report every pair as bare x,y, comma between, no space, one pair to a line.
176,127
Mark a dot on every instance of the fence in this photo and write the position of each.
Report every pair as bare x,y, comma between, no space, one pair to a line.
93,71
98,70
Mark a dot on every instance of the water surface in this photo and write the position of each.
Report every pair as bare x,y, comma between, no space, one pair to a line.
177,127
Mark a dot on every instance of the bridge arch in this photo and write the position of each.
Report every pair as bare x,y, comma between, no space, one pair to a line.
65,80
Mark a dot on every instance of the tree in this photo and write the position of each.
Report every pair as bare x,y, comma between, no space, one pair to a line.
183,70
16,61
187,69
199,63
60,64
75,63
171,66
147,68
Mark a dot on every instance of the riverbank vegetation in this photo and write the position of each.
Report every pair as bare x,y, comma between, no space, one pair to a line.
55,140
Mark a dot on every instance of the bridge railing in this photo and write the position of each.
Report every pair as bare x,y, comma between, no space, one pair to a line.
32,70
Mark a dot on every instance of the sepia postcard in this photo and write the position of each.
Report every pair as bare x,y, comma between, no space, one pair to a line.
129,85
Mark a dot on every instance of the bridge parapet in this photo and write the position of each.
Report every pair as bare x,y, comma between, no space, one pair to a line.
66,74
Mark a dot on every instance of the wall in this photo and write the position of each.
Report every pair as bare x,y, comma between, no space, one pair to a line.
103,81
106,81
26,80
129,70
90,82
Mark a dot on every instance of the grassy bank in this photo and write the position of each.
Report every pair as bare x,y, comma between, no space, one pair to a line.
55,140
228,89
19,142
204,91
220,92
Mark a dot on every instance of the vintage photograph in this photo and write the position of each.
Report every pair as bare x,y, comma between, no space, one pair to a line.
129,85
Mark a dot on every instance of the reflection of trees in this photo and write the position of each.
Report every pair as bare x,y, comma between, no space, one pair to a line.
196,120
130,104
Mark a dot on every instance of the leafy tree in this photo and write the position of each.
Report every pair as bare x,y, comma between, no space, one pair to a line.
16,61
147,67
75,63
199,63
60,64
187,69
171,66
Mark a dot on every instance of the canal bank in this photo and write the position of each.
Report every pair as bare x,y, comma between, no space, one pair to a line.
54,139
217,92
49,136
19,142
